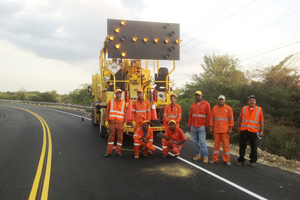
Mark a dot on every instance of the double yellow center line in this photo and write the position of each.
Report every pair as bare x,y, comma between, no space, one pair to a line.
46,173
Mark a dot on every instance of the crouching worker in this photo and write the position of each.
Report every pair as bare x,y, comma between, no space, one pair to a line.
173,139
143,140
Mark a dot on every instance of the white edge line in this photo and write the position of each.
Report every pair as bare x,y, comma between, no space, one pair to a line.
188,162
218,177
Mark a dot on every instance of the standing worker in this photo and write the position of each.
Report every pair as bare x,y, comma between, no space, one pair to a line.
198,125
221,124
143,140
172,139
173,111
251,122
115,121
140,110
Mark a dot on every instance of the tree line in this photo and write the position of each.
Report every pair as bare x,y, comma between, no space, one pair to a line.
276,87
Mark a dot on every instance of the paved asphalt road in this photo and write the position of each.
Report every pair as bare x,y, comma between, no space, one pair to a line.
79,170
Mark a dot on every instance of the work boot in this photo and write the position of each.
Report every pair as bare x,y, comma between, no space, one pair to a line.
176,156
107,155
228,163
205,160
119,155
136,157
239,164
252,164
197,157
212,162
145,155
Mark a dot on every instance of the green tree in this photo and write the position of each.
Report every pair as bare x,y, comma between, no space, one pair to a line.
80,96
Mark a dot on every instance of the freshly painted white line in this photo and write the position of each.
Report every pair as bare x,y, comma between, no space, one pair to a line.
192,164
218,177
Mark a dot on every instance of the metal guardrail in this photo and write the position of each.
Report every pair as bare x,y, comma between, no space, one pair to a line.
69,106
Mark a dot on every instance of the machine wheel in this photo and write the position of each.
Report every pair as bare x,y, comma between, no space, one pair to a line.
93,118
102,129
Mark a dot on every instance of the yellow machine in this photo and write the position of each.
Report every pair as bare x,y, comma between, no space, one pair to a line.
131,44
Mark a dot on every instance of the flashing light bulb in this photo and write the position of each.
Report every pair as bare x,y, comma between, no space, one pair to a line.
166,25
172,48
172,33
123,54
167,40
170,84
167,56
111,37
156,40
123,22
123,38
145,39
134,39
178,41
118,46
117,30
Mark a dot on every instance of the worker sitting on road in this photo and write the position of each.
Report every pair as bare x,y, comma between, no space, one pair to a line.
140,110
143,140
173,139
172,111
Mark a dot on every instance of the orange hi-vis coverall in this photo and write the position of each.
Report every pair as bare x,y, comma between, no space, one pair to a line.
176,137
172,112
199,114
221,120
138,143
116,115
140,112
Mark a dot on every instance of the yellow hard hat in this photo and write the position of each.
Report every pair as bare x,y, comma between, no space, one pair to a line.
198,92
118,90
172,121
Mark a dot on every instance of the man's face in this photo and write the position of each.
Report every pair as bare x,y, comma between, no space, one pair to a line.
172,126
145,126
173,99
221,102
252,102
198,97
118,95
140,95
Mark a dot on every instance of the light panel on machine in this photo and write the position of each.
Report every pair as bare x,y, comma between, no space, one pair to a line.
159,41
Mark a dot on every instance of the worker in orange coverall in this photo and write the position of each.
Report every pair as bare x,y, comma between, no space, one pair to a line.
221,124
140,110
115,121
173,111
172,139
143,140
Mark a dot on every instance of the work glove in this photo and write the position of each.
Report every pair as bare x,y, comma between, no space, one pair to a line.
134,124
124,126
107,125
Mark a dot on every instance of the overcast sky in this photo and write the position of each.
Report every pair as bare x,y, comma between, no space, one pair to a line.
54,44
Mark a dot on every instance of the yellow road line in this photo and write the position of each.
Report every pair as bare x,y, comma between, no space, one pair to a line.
38,175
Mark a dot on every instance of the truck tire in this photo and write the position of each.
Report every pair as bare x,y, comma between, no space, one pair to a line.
93,118
102,129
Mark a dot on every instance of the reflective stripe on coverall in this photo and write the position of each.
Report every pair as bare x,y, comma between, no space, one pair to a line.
116,126
138,144
140,112
176,137
221,119
174,114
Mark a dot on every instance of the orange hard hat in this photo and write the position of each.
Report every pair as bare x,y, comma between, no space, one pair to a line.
140,90
146,121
